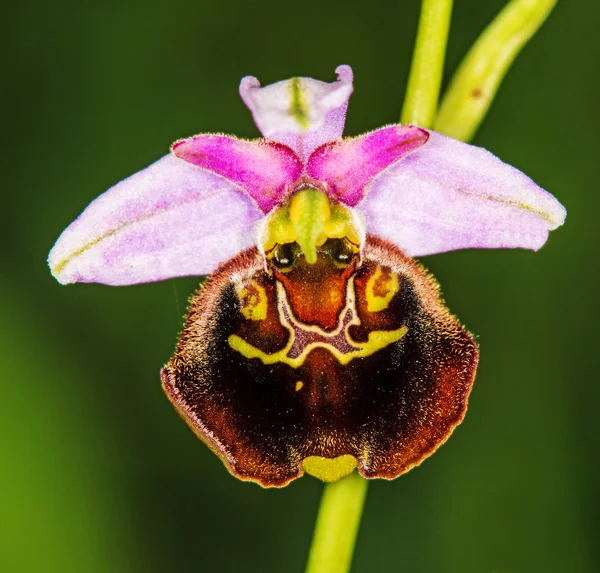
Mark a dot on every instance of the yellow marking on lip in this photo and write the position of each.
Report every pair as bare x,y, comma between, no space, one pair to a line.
299,385
377,302
329,469
253,300
377,339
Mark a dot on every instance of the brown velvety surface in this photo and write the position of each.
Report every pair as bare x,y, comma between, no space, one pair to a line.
390,409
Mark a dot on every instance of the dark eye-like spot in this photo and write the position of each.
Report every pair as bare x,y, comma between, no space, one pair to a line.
340,250
284,255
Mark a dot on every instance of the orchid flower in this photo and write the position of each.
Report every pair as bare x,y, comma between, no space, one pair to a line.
318,344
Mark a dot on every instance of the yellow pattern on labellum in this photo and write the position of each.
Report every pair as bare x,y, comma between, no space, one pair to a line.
377,339
253,300
380,290
299,385
329,469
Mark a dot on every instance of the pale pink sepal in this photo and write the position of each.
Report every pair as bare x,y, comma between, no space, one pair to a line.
301,113
349,165
171,219
263,169
449,195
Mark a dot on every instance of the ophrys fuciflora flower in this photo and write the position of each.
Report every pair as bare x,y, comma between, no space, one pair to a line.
317,344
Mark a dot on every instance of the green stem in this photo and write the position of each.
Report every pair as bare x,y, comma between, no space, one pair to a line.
475,83
337,525
423,90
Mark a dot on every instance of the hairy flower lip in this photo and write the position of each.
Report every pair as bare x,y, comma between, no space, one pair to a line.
263,428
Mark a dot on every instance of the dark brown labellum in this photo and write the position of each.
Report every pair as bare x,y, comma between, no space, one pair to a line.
354,355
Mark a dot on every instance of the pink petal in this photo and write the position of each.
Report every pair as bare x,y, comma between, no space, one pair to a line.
349,165
171,219
301,113
264,170
449,195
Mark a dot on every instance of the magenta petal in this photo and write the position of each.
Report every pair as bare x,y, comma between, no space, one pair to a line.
264,170
171,219
348,166
301,113
450,195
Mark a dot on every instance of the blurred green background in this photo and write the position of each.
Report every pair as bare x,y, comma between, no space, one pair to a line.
100,474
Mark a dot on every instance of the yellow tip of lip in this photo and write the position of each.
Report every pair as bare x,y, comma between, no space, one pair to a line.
329,469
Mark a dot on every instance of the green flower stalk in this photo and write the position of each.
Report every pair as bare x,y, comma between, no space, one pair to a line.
337,525
479,76
425,81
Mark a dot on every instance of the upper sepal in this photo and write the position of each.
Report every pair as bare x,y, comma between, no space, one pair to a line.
171,219
449,195
301,113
